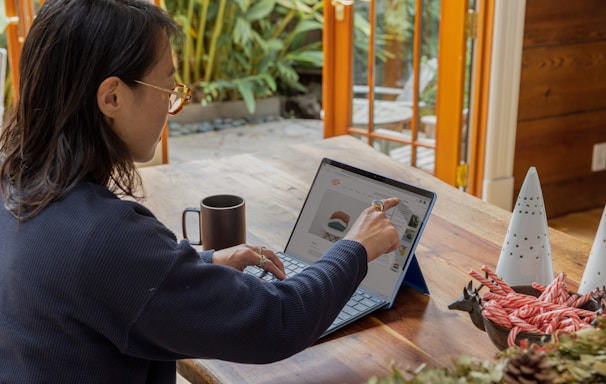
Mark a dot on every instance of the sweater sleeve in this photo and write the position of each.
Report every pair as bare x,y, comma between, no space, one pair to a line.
211,311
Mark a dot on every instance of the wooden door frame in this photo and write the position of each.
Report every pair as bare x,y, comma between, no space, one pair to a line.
479,92
164,140
451,88
19,16
336,98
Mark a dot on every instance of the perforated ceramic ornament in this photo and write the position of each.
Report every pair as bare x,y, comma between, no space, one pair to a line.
595,270
526,254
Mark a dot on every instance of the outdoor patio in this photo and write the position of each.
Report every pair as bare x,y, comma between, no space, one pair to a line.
242,139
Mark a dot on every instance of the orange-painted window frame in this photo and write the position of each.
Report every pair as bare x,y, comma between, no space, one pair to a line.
337,87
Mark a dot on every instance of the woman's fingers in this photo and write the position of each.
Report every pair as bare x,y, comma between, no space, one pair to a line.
270,262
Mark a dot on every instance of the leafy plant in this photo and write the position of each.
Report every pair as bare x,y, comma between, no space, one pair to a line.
245,49
361,42
576,358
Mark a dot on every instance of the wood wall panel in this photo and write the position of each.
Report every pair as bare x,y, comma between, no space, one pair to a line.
555,22
562,105
564,79
565,196
560,148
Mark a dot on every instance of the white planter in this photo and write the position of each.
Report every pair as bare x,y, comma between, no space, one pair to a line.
271,106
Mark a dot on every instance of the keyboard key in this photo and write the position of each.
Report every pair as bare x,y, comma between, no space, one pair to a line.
350,310
368,302
359,301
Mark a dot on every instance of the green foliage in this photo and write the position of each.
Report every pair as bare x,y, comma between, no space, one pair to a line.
361,42
245,49
465,369
574,358
580,357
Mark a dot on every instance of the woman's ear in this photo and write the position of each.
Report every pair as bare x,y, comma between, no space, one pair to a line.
108,98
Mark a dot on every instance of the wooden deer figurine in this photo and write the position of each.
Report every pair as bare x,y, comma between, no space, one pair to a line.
470,302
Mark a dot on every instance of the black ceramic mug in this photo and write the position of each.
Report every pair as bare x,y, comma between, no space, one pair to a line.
222,222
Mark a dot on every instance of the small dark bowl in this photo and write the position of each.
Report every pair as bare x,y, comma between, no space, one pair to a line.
498,335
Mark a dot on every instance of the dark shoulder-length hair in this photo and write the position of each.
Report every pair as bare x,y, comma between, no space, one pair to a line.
56,136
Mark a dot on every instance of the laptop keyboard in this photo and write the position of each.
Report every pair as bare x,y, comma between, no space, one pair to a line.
359,301
291,267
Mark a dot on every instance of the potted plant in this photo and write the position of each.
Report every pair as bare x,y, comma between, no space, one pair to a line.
245,50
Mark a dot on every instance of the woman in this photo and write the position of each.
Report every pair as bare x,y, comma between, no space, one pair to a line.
93,288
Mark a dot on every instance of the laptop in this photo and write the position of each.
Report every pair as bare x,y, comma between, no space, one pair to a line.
337,196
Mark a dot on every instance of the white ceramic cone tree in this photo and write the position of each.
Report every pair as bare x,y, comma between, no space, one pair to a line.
526,254
595,270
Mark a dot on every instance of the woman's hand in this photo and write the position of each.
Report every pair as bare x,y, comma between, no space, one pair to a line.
375,231
244,255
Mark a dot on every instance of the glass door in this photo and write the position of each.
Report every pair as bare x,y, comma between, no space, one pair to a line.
394,78
403,83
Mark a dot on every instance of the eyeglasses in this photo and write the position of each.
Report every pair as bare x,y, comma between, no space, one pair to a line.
179,96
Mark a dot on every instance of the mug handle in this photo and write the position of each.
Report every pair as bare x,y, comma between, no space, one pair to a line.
184,225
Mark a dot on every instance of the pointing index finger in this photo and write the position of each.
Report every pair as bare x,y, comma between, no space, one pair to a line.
391,202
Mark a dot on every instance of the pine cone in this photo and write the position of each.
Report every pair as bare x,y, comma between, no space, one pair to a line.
528,367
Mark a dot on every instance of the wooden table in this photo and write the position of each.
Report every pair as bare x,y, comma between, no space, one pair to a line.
463,233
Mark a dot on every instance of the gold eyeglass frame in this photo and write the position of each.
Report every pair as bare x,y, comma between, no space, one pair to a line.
185,96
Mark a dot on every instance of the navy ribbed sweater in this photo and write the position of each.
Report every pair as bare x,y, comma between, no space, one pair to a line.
94,289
